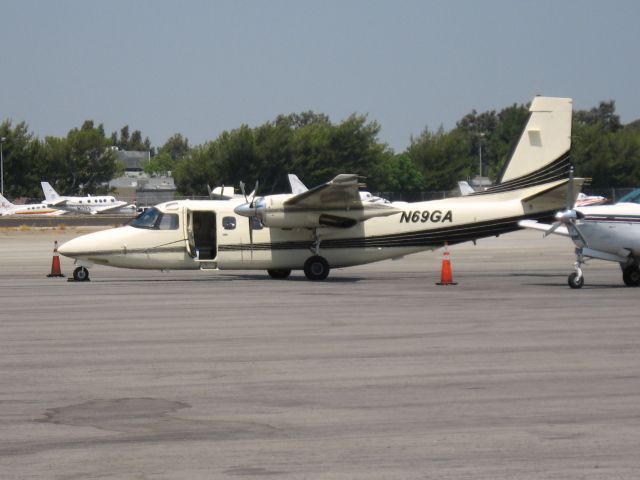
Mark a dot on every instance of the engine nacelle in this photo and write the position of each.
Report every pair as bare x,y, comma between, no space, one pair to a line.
273,212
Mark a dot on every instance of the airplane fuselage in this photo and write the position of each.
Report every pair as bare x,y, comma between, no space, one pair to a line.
209,234
31,209
614,229
90,204
330,225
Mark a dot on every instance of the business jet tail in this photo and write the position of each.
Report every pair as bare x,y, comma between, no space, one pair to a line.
50,194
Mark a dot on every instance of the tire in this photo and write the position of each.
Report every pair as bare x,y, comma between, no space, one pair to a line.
81,274
316,268
574,282
631,276
279,274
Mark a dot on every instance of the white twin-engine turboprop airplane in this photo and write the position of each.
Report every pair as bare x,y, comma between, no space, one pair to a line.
329,226
89,204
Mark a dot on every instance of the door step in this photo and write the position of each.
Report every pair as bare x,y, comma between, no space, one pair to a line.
208,265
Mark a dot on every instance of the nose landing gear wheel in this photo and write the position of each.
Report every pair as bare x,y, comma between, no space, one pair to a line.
575,280
316,268
279,274
631,276
81,274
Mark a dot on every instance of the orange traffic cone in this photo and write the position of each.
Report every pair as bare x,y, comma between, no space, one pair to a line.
446,277
55,263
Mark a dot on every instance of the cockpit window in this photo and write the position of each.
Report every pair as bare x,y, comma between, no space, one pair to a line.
168,221
146,219
153,218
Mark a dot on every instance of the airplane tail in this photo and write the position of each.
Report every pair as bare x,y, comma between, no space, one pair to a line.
542,153
465,188
50,194
296,184
4,203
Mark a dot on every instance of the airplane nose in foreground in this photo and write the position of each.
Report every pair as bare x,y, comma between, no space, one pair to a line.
67,249
78,246
63,249
245,210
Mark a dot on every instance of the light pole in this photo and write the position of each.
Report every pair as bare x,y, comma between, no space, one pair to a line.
480,136
2,139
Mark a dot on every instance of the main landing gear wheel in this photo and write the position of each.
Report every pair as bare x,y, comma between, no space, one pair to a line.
576,280
279,274
316,268
81,274
631,276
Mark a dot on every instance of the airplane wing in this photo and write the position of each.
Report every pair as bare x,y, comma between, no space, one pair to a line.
58,202
338,202
341,192
544,227
108,208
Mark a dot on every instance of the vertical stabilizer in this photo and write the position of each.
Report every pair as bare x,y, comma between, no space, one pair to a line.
542,152
5,204
50,194
465,188
296,184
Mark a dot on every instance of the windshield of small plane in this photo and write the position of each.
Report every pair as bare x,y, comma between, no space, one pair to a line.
154,219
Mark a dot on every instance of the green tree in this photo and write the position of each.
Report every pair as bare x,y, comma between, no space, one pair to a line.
398,173
443,158
130,140
17,153
306,144
604,114
503,139
168,156
89,161
196,170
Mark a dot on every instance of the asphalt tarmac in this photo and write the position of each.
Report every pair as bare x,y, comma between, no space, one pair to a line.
376,373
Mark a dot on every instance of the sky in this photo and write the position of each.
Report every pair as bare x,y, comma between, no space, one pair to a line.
199,68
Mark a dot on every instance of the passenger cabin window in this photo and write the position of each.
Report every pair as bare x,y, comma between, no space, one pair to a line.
154,219
229,223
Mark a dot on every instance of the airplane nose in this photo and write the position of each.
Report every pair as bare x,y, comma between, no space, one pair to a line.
245,210
69,249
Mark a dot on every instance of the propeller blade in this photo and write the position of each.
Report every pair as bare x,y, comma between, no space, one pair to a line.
553,228
251,235
570,198
244,193
253,194
584,240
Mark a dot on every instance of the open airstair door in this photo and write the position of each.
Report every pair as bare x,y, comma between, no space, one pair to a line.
201,235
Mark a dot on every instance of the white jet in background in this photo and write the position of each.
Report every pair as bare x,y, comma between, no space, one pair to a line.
89,204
